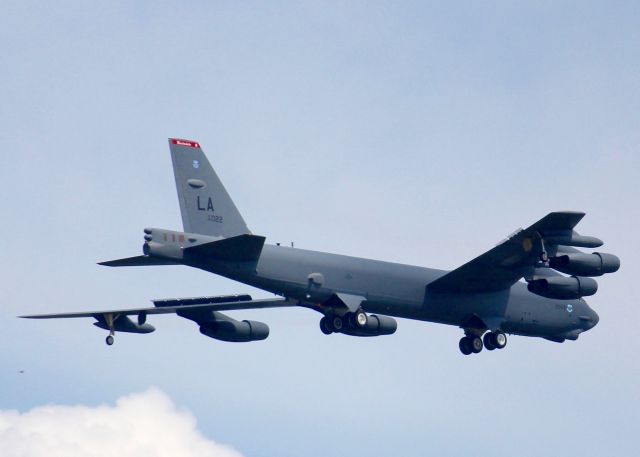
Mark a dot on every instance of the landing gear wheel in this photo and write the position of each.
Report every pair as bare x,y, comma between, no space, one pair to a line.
475,343
465,345
325,326
488,341
337,323
499,340
360,319
109,340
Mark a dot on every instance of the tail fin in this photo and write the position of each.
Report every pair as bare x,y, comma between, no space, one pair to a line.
205,205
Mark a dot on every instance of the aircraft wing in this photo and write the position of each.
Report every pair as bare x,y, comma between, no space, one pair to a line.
505,264
179,306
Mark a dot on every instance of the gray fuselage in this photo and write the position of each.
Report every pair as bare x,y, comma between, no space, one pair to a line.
401,291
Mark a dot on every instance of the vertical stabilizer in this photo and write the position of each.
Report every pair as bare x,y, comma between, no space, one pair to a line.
204,202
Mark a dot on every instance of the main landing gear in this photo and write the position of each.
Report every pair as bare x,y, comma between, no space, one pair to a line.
336,324
473,344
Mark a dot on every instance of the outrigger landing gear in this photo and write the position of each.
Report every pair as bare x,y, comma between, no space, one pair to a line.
109,318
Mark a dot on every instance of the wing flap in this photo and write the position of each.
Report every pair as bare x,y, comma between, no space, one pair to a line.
175,302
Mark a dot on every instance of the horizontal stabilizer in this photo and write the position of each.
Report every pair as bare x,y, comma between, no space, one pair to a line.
242,248
138,261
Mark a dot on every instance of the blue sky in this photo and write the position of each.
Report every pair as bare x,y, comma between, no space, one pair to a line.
419,133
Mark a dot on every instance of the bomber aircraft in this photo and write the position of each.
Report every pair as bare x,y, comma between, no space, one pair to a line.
514,288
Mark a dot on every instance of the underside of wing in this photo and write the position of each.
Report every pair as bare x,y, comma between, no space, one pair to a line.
204,311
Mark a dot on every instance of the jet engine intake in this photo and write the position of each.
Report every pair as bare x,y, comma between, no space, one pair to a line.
235,331
563,288
580,264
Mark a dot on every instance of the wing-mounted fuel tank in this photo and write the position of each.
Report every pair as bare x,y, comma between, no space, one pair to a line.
124,324
562,287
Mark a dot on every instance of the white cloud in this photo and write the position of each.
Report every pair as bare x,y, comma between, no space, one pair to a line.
145,424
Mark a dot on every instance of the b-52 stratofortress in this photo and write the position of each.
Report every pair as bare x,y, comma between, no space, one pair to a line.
515,288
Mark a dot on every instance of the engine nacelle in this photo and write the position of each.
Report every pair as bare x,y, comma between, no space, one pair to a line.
563,288
376,326
235,331
579,264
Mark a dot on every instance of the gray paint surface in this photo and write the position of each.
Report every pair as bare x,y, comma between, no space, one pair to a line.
482,295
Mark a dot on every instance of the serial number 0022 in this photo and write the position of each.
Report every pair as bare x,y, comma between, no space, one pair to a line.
214,218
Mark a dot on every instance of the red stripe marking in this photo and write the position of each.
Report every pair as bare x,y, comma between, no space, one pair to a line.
188,143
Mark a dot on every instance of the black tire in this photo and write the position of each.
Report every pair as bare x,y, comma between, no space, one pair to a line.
476,344
324,326
499,340
109,340
488,341
338,324
465,345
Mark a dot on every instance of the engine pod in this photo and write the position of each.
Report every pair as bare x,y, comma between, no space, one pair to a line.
235,331
563,288
376,326
580,264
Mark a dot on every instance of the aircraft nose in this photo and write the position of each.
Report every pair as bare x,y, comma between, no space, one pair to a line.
590,320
